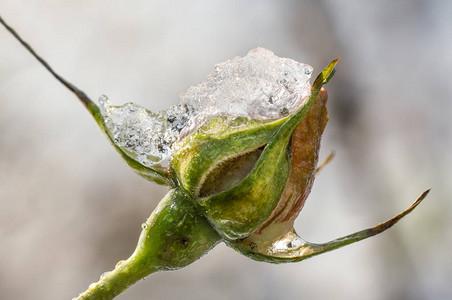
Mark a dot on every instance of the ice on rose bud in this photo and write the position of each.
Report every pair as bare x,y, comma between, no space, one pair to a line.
239,154
255,92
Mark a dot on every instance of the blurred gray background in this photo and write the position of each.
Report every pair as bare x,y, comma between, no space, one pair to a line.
70,208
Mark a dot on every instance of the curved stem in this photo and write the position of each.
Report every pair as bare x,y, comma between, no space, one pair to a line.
174,236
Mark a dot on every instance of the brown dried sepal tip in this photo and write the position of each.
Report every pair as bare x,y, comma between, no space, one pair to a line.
305,148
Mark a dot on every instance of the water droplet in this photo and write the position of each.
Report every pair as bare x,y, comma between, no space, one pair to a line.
144,226
104,275
119,264
92,285
296,242
102,100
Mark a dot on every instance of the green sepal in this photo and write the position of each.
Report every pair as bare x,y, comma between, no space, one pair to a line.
215,142
291,248
237,212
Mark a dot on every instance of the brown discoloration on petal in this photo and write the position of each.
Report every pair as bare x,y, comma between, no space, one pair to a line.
304,149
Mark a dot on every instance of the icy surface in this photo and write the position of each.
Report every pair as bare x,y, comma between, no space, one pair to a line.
258,86
145,136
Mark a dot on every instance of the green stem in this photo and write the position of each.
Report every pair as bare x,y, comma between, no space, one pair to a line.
174,236
113,283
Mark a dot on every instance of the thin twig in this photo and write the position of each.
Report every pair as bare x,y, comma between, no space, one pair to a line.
327,160
75,90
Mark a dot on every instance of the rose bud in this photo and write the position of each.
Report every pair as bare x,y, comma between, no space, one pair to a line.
240,154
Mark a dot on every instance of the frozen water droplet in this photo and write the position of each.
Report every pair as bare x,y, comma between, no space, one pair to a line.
104,275
296,242
284,111
119,264
144,226
290,241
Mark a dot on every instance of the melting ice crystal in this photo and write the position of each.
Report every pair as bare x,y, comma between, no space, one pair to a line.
258,86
